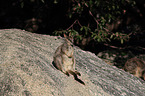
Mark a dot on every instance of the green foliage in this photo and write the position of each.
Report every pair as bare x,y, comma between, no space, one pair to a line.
92,17
22,2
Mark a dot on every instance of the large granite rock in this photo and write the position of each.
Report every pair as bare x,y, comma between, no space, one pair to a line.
26,69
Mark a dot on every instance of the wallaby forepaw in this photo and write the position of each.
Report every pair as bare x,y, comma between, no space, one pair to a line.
78,73
66,73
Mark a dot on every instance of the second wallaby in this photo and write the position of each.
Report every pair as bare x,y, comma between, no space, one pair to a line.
64,59
136,67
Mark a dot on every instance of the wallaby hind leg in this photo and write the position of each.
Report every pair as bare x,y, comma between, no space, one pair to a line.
57,63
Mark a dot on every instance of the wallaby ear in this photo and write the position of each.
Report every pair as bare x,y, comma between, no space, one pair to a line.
71,37
65,35
70,34
68,38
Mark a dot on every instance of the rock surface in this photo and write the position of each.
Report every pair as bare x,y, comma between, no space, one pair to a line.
26,70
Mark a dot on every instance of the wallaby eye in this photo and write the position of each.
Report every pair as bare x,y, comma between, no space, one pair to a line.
70,47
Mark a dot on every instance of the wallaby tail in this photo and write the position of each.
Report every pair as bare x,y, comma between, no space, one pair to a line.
76,77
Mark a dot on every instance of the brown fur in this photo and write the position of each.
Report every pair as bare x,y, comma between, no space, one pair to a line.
136,67
64,59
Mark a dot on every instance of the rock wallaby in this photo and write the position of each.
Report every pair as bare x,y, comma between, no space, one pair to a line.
136,67
64,59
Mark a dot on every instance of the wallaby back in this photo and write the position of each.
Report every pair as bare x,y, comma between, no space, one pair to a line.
136,67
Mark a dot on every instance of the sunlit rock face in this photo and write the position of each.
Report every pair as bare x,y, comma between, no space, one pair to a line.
26,69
